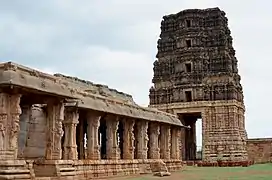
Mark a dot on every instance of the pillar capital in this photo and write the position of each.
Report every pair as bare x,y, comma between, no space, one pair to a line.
71,116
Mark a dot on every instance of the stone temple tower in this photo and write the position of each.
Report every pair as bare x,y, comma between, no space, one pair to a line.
196,77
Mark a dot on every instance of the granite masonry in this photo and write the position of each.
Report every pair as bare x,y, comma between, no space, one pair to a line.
196,77
260,150
60,127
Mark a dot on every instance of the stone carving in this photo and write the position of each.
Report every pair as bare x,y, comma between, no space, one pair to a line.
70,123
3,119
93,143
142,139
154,152
15,111
14,131
146,139
128,144
54,131
165,140
113,151
179,145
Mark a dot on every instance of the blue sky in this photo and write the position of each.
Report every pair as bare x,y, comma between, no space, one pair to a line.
114,42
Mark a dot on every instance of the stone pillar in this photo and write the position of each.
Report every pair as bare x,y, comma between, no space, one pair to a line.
128,136
154,151
165,140
142,139
55,116
70,123
9,125
113,151
93,121
179,144
176,143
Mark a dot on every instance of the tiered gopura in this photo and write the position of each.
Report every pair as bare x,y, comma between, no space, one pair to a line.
65,128
196,76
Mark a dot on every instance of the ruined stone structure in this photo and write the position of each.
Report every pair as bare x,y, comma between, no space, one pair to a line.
260,150
59,127
196,77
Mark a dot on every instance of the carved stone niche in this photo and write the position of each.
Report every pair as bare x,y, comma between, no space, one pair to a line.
188,94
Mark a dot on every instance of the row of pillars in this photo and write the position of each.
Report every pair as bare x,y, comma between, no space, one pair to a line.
146,142
62,123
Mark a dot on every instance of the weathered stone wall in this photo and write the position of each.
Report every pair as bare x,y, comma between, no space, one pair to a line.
32,137
196,63
260,150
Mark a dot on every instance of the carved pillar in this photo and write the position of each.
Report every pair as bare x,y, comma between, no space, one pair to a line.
70,123
165,140
176,145
93,121
55,116
179,144
154,151
9,125
113,151
142,139
128,144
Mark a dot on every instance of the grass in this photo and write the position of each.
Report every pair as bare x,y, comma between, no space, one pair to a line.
255,172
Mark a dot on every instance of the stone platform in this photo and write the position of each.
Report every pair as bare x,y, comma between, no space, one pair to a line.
91,169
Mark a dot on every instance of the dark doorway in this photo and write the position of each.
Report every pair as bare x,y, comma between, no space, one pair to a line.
188,23
188,67
189,151
188,96
189,43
